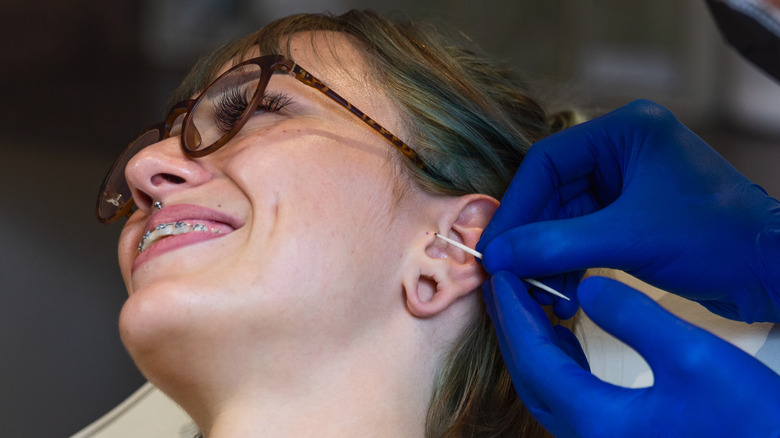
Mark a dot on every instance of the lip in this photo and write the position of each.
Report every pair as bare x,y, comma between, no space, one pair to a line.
189,213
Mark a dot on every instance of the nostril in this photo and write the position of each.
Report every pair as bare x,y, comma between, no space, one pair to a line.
162,178
142,199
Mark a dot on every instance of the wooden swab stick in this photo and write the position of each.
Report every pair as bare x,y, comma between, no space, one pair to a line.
478,255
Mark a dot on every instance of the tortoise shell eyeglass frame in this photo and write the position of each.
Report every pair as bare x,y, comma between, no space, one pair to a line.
115,198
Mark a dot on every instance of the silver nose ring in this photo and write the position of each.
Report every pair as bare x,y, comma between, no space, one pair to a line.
158,205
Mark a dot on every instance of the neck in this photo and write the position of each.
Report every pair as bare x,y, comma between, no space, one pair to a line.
371,410
365,390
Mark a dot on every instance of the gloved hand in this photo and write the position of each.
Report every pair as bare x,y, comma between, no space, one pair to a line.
703,386
636,190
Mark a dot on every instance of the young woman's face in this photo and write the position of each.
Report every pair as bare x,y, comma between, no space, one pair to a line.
304,234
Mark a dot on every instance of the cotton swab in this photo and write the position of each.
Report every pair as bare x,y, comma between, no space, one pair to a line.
478,255
473,252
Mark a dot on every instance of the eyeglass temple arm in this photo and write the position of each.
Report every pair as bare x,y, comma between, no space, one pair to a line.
308,79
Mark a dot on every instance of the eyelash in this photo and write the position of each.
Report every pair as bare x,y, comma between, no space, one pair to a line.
232,103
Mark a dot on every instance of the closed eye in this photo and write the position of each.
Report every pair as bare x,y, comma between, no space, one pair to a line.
232,104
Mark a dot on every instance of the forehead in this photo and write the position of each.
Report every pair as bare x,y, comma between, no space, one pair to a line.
336,59
331,55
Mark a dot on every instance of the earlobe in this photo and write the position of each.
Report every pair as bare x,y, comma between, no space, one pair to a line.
443,273
429,295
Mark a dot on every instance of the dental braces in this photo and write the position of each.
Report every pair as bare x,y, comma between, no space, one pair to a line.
172,229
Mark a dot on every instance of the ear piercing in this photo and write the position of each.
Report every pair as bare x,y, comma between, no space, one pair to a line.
158,205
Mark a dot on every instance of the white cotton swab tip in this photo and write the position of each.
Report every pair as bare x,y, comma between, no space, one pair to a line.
478,255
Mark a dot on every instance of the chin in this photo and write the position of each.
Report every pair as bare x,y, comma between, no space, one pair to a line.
154,321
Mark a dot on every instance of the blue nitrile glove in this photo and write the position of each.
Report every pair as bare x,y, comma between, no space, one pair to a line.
703,386
638,191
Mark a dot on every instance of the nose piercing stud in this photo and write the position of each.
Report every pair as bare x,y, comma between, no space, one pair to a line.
158,205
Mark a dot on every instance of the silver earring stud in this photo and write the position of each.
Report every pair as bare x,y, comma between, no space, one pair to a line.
158,205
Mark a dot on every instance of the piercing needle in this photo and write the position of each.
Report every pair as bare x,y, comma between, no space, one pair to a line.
478,255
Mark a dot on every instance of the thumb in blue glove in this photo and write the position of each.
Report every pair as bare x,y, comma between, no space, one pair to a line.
704,386
638,191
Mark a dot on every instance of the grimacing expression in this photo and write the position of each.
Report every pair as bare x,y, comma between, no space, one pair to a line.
301,220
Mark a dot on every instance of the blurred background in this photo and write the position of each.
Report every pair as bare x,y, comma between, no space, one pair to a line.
81,78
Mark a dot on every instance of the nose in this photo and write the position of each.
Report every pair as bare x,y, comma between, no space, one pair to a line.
160,170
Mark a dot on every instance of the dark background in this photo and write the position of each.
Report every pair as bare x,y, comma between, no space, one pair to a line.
79,79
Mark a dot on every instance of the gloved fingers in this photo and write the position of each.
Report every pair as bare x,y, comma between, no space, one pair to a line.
575,198
714,385
550,164
542,297
508,304
569,190
527,393
768,245
577,204
490,306
549,369
567,285
503,317
571,200
667,343
544,374
554,247
601,151
570,345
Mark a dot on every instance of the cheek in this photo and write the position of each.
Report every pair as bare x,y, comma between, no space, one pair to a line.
127,249
321,210
322,176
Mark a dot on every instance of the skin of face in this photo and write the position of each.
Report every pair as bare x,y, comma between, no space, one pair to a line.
312,269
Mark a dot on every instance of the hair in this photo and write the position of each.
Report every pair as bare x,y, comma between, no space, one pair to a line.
472,120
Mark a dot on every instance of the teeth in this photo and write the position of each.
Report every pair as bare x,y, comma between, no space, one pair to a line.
172,229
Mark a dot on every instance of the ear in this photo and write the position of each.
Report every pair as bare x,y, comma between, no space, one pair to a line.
441,273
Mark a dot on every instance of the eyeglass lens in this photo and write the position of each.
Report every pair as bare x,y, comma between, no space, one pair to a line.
220,110
115,195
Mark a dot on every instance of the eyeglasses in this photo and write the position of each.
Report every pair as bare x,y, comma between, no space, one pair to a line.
209,121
